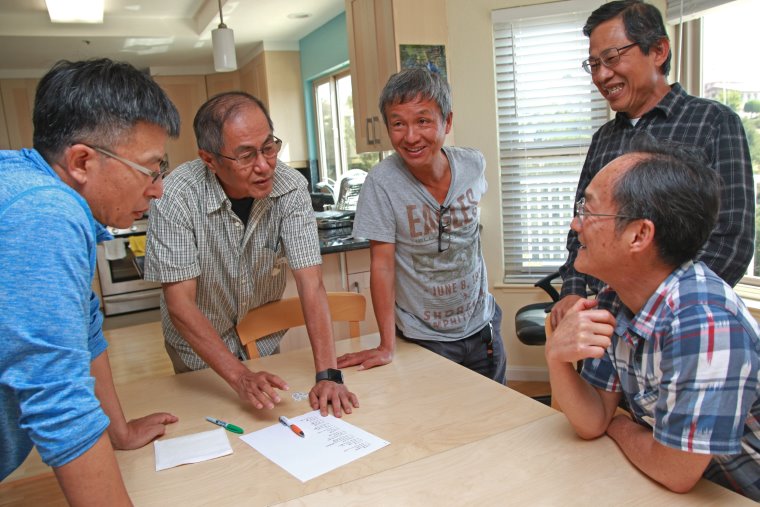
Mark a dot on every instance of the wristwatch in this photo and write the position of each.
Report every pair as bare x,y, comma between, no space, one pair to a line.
330,374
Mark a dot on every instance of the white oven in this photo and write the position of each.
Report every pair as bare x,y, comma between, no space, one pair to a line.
120,272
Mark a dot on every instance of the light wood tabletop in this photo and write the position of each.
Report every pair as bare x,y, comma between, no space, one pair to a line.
542,462
421,403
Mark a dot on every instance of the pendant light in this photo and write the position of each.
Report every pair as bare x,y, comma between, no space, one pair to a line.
223,42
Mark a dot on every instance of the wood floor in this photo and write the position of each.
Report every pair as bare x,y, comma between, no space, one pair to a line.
136,351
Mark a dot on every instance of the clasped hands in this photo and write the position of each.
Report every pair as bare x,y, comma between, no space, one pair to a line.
258,388
584,332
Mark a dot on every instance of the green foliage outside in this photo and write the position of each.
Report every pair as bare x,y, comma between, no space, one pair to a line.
752,106
732,99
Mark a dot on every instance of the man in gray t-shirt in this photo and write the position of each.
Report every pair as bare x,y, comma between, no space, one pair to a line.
419,209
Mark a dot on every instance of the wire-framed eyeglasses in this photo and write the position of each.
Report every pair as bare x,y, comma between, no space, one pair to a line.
444,226
609,58
269,151
581,213
163,165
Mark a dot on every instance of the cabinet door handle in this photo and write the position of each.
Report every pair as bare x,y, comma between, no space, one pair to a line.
370,140
375,121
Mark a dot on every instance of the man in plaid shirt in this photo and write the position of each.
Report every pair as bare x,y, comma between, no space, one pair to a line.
629,59
673,338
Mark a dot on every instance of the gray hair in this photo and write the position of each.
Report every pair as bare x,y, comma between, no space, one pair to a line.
216,111
676,190
96,101
407,85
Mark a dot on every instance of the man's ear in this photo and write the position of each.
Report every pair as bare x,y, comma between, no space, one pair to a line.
208,159
640,235
77,160
661,50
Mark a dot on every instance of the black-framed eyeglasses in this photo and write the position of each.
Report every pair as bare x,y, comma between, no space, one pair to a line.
581,213
163,165
444,226
609,58
247,158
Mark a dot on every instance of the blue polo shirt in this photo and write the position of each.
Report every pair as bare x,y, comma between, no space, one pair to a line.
50,323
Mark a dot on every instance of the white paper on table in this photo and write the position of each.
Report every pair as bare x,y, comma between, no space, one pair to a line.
193,448
329,443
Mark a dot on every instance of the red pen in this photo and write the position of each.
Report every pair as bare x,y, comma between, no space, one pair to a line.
295,429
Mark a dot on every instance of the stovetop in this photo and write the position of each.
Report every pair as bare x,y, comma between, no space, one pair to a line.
138,227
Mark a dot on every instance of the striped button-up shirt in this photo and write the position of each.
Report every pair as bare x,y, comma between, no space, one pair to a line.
193,233
688,364
709,127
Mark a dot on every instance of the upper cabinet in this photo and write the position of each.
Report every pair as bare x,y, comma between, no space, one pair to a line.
376,29
188,94
17,105
274,77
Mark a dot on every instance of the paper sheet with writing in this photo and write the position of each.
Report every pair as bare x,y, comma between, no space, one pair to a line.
329,443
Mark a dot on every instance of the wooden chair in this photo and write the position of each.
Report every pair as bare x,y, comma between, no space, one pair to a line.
286,313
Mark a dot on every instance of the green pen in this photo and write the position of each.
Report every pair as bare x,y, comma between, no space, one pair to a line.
225,425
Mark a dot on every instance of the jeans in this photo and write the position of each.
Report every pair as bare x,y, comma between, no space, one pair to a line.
472,352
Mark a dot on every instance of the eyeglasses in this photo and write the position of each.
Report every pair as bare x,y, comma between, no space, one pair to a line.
163,165
269,151
609,58
581,213
444,223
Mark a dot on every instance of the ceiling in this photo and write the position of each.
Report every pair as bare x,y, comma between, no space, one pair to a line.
166,36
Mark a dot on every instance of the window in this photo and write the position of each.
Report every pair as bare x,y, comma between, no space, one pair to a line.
334,112
726,74
548,110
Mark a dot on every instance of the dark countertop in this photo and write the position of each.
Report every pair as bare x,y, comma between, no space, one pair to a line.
339,240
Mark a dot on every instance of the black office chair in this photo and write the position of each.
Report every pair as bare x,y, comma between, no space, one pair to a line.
530,319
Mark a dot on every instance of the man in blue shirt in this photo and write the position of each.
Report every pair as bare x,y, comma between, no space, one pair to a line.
100,130
675,340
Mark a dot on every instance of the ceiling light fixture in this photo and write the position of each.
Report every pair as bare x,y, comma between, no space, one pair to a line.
75,11
223,42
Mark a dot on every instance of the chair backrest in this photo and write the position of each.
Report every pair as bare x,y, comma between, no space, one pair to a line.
286,313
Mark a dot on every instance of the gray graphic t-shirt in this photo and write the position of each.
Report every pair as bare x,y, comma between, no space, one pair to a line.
440,296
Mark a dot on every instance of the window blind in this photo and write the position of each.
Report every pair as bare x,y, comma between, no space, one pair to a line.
548,110
686,10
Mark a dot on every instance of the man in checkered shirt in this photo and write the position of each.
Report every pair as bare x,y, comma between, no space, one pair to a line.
666,333
629,60
218,242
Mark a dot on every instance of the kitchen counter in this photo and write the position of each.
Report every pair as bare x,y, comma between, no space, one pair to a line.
331,241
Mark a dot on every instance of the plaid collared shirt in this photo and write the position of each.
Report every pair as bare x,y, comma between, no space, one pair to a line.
194,233
688,363
704,124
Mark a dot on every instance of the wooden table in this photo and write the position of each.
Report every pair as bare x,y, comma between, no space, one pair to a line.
542,462
421,403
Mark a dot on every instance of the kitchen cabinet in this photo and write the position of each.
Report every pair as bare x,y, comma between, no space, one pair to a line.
5,143
376,28
275,78
357,268
18,104
188,94
222,82
344,271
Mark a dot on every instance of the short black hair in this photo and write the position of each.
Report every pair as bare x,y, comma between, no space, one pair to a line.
673,186
96,101
642,22
210,119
